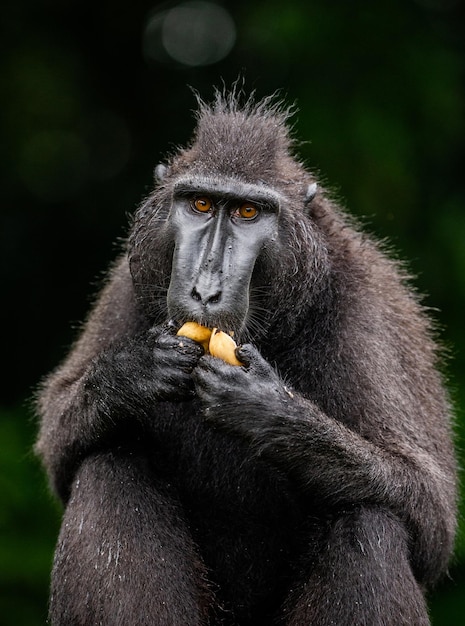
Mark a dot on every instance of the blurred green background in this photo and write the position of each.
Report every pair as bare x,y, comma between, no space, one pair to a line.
95,93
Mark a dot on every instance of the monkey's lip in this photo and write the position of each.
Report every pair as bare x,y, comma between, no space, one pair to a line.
176,325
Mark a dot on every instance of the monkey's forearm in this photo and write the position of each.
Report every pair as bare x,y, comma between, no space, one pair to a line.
328,460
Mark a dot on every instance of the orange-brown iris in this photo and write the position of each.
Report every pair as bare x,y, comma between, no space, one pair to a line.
247,211
203,204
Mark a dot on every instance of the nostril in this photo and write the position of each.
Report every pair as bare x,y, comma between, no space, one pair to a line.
195,295
206,298
214,298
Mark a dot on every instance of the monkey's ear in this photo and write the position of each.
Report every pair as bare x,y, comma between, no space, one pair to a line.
309,195
160,172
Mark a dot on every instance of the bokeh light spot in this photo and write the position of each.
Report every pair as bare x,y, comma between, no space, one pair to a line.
192,33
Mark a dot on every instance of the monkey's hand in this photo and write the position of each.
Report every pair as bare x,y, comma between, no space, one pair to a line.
174,359
238,399
154,367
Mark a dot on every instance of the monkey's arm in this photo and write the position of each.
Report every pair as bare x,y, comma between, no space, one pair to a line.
333,463
106,388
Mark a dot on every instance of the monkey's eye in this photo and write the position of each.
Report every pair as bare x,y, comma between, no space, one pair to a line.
202,204
247,211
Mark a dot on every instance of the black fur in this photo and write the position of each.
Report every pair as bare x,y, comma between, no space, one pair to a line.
315,485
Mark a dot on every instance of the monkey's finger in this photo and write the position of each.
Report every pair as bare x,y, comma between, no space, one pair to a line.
183,345
211,373
253,360
209,366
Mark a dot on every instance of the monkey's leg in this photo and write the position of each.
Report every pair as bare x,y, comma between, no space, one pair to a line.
124,555
361,577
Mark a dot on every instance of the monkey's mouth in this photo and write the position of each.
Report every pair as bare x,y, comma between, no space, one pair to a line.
209,325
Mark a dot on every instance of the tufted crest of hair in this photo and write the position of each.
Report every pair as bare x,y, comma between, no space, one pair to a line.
247,139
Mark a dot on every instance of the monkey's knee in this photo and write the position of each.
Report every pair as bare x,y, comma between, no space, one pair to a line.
361,575
124,556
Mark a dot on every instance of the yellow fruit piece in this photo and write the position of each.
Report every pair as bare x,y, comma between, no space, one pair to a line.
197,332
223,346
214,342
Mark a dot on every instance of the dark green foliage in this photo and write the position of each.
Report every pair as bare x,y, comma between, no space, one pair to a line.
29,522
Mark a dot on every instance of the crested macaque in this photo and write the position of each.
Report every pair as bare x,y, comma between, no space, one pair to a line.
312,483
